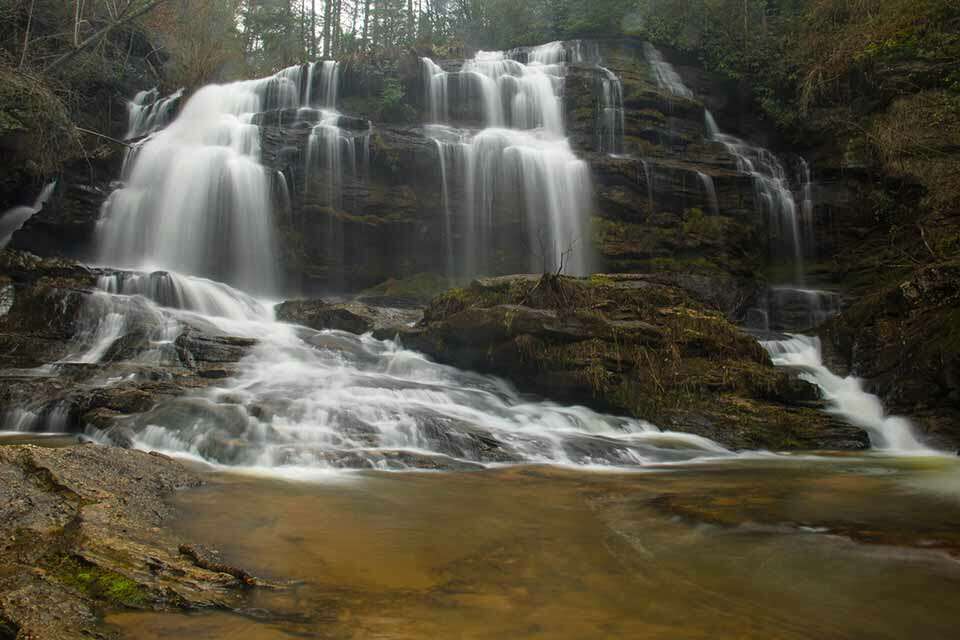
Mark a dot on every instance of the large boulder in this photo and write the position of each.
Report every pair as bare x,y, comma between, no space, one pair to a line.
633,345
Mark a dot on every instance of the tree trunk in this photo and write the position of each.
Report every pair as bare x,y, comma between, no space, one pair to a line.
336,27
76,23
326,27
313,29
353,23
411,36
366,23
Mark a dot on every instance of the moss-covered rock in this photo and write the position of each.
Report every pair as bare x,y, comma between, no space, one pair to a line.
631,345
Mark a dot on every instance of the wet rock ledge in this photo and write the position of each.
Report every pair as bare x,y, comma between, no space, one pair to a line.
628,344
84,530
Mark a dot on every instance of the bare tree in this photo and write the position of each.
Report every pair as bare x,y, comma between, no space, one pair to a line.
121,16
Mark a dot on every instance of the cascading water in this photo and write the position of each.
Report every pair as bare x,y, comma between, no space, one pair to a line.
845,395
793,307
334,155
328,87
148,112
308,400
710,191
610,119
13,219
177,291
664,73
772,187
196,198
520,163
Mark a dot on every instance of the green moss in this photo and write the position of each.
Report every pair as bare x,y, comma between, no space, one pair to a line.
420,286
601,280
100,584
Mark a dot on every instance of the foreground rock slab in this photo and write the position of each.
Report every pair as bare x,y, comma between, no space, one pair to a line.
632,345
85,529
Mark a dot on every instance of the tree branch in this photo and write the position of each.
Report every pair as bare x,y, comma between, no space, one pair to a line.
95,38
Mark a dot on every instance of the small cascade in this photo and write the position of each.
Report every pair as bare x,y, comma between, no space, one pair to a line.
846,396
521,162
772,187
148,112
517,95
610,119
338,153
710,192
664,73
649,175
306,400
13,219
177,291
806,205
328,86
105,318
435,89
787,308
336,156
329,83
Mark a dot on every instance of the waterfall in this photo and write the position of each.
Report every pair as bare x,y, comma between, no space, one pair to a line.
148,112
329,84
664,73
772,187
338,152
519,163
13,219
710,191
334,155
792,308
790,222
846,396
610,120
806,204
195,197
